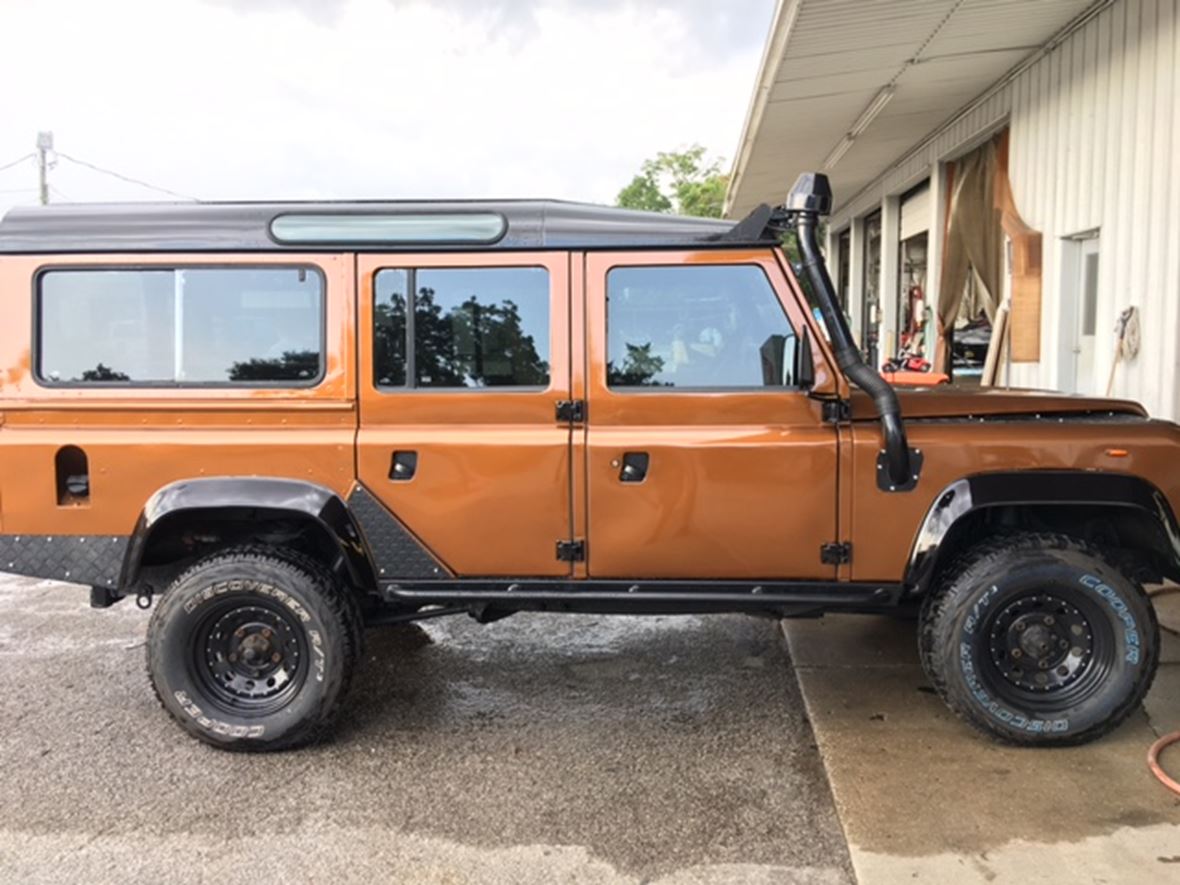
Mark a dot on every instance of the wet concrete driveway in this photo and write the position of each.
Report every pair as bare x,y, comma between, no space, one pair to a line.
537,749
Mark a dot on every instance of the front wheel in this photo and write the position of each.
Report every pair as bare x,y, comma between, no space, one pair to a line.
1036,639
253,649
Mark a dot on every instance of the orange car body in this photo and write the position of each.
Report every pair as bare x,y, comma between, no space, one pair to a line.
746,489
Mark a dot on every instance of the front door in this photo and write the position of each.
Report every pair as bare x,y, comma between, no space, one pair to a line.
704,460
462,361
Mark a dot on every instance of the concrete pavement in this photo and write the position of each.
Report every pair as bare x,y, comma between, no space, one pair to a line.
566,748
536,749
923,798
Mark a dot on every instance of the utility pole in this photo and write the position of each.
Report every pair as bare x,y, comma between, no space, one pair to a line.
44,146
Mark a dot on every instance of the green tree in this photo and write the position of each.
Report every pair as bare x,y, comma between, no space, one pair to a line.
684,182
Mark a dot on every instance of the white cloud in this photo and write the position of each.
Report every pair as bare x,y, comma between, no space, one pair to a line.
370,98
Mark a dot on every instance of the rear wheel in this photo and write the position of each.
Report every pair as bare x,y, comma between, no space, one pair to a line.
253,649
1036,639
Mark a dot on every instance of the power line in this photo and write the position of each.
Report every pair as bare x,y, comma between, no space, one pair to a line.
127,178
16,162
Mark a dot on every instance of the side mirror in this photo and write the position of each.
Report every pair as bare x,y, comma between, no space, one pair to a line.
787,361
804,361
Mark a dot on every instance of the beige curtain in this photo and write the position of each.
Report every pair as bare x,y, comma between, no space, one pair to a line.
974,244
1024,319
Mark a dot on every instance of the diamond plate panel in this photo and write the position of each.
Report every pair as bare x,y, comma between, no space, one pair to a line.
396,553
94,560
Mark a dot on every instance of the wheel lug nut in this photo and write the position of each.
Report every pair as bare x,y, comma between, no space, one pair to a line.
1016,653
1049,620
233,659
276,657
1063,671
1064,643
1043,663
240,632
1020,625
1076,652
266,634
1076,629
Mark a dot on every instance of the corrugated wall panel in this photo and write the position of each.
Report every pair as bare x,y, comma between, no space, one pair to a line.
1094,147
1172,236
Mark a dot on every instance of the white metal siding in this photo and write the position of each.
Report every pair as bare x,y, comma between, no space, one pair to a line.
1094,145
827,59
915,214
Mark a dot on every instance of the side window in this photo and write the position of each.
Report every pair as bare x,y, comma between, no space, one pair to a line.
181,326
696,326
461,327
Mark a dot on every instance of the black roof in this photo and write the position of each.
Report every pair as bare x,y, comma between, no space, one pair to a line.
530,224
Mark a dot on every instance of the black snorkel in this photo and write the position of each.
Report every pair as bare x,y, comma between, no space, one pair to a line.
810,199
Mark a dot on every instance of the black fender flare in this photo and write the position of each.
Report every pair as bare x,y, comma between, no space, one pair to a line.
1031,488
290,496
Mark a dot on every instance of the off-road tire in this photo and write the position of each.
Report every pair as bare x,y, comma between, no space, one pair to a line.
293,596
971,630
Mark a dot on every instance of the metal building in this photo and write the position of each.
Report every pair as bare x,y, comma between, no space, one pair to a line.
1007,178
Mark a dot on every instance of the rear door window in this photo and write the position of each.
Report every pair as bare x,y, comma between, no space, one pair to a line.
181,326
454,328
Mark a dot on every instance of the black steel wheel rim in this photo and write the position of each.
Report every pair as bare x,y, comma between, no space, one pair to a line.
1047,648
250,655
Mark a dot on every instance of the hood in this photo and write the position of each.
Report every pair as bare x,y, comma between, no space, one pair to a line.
948,401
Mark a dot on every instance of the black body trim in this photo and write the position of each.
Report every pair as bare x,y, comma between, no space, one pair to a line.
245,227
94,560
645,597
1031,488
395,552
267,494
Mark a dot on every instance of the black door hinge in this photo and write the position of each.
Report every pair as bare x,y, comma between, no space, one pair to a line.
835,553
572,410
837,411
571,551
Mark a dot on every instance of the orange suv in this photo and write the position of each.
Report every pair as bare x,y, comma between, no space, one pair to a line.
283,422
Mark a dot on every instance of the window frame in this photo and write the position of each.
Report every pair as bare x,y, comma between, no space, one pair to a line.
641,390
36,341
411,386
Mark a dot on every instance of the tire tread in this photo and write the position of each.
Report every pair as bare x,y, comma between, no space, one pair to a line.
342,606
933,632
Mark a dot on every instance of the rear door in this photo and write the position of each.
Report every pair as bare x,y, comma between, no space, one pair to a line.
704,460
462,361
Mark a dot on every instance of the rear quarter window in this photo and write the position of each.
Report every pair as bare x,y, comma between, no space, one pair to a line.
180,326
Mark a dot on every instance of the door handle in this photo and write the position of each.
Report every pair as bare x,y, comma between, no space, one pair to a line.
403,466
634,467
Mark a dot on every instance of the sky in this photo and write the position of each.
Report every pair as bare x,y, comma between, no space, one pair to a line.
310,99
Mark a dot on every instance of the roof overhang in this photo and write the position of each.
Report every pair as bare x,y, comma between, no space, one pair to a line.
848,87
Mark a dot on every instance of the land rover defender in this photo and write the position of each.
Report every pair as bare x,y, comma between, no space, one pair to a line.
277,424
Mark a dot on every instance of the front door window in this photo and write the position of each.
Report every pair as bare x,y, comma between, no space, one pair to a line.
696,327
